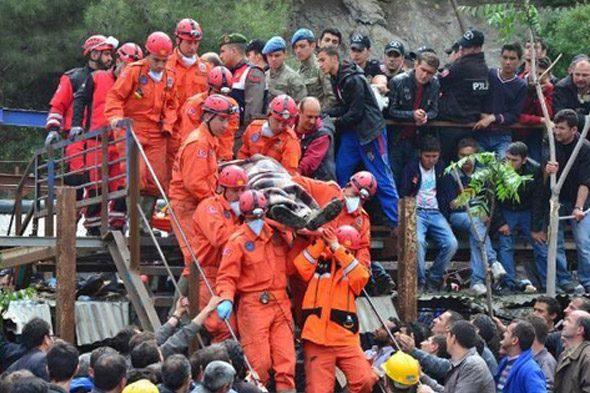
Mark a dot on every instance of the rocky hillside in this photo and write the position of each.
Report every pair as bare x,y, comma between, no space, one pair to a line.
414,22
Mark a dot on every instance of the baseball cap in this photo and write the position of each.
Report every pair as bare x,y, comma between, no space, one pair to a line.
395,46
470,38
359,41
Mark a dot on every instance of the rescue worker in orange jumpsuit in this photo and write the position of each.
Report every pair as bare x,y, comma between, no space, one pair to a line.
191,74
275,136
194,175
253,273
145,92
215,220
90,99
98,49
219,80
335,277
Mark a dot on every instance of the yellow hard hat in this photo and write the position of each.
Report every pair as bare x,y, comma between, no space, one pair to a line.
141,386
402,368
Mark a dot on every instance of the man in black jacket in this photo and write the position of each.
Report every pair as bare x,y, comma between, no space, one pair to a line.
464,87
62,365
361,126
573,91
524,217
413,97
36,336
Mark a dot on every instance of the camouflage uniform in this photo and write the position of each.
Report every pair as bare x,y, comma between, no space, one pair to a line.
285,81
318,85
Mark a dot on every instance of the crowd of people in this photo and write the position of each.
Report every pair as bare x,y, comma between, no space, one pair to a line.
276,275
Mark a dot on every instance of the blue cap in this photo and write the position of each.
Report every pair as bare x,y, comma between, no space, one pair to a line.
302,34
275,44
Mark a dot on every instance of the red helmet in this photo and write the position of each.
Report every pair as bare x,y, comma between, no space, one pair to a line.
130,52
220,78
253,202
99,42
158,43
219,105
364,184
283,108
188,29
233,176
348,237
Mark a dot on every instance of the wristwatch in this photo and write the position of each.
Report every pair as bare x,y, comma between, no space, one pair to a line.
579,208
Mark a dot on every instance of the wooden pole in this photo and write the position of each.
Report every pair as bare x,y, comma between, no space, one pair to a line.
66,263
458,16
407,277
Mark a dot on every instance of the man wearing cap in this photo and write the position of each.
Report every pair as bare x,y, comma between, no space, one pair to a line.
249,86
318,85
360,50
464,88
254,53
281,78
393,61
358,119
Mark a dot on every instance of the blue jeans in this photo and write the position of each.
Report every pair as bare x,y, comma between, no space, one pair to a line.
401,151
581,231
497,143
520,221
460,221
374,157
432,224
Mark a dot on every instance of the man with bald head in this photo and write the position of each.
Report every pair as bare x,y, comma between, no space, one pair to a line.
573,91
573,368
316,136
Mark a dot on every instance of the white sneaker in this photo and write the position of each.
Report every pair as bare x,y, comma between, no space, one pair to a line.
478,289
498,271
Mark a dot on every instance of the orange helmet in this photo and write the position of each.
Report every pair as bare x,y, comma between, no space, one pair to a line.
283,108
130,52
364,184
219,105
158,43
233,176
188,29
349,237
221,79
99,42
253,202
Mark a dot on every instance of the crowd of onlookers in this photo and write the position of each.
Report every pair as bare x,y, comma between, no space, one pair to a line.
545,350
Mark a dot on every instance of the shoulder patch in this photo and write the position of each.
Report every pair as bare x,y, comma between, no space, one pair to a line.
226,251
254,76
202,67
143,79
202,153
212,210
249,246
255,137
169,82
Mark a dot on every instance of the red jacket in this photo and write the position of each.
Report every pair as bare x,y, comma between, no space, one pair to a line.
61,104
532,112
91,98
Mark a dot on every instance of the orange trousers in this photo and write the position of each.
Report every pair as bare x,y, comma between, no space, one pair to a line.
184,213
266,334
320,366
155,151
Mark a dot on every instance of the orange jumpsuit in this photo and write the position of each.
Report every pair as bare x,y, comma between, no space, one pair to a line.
283,147
213,223
190,80
331,326
152,106
253,273
190,118
194,178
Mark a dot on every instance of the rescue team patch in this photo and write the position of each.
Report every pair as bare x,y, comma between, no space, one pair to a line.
192,111
169,82
202,153
249,246
202,67
226,251
255,137
212,210
143,79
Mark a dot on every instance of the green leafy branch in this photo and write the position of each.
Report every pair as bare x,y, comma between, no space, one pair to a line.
508,18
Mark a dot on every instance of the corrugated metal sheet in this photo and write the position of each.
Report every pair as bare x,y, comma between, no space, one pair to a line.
368,321
95,320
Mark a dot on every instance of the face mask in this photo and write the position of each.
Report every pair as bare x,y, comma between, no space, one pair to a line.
352,203
266,131
256,225
189,61
156,76
235,206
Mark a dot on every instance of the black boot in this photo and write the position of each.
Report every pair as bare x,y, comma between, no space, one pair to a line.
327,214
288,217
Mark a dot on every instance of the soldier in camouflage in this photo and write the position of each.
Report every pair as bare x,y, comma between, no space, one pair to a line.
281,78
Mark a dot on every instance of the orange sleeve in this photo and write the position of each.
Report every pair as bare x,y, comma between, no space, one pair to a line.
356,272
230,268
364,252
196,176
291,155
170,109
213,225
190,115
119,93
306,261
244,151
63,97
